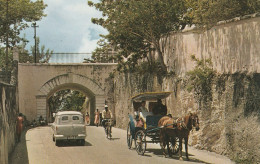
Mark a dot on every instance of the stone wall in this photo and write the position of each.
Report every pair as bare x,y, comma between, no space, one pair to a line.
232,47
230,120
8,113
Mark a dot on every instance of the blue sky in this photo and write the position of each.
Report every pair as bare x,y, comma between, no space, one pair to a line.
67,27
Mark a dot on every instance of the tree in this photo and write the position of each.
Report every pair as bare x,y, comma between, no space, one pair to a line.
207,13
42,55
66,100
14,16
74,101
137,27
102,54
2,59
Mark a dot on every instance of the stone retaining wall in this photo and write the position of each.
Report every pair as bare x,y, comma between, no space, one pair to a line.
8,114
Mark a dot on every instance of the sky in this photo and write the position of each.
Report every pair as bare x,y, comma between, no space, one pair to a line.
67,28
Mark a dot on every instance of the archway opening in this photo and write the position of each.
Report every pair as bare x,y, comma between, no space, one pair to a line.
70,97
67,100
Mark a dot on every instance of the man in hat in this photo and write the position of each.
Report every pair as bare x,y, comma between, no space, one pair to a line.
106,114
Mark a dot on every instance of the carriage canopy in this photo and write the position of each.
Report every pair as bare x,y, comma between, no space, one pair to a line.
150,96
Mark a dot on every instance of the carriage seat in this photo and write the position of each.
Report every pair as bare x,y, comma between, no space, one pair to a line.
144,115
152,121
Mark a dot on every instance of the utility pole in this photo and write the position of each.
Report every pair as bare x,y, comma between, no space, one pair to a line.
7,36
7,43
35,48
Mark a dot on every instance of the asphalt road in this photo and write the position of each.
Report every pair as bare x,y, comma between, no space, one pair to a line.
41,149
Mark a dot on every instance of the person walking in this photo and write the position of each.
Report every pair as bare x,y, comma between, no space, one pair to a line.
87,119
96,118
19,126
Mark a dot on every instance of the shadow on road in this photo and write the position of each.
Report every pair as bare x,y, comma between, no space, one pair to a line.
159,152
20,153
115,139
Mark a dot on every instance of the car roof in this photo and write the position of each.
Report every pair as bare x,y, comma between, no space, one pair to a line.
68,113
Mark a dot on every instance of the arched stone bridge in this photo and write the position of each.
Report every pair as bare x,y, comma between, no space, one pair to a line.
38,82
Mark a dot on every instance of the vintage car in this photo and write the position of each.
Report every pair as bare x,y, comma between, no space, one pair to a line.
69,125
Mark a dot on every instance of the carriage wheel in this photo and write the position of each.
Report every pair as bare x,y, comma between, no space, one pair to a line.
129,137
140,142
174,145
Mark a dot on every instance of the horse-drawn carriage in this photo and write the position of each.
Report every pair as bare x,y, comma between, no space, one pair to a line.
148,131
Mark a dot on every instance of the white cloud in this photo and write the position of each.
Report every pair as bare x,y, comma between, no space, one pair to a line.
87,45
68,27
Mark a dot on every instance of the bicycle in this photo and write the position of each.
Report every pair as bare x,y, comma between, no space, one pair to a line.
108,126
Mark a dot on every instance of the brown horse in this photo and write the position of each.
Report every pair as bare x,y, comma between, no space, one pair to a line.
166,124
180,128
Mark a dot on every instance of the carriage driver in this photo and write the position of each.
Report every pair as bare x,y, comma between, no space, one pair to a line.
106,114
159,108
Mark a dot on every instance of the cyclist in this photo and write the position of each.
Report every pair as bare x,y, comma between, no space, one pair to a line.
106,114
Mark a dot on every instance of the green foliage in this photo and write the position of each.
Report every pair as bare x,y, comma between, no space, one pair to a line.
24,54
136,27
66,100
243,161
209,12
103,53
43,56
111,75
201,78
14,15
2,59
74,101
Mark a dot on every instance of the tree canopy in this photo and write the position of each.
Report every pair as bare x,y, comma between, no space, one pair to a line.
66,100
43,54
14,15
208,12
136,27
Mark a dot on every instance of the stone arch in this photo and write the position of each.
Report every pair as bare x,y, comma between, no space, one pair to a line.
88,86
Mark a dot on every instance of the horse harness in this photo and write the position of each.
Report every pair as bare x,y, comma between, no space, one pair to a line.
175,123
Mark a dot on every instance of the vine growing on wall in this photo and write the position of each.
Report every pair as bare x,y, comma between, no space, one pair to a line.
200,80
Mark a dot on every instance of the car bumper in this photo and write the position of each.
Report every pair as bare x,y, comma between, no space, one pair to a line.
63,137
